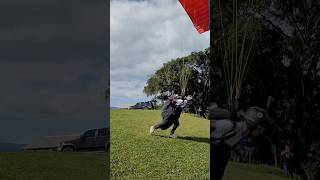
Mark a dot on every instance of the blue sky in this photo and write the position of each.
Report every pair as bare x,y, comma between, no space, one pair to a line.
144,35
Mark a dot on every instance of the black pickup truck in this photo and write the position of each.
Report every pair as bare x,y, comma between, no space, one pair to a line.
90,140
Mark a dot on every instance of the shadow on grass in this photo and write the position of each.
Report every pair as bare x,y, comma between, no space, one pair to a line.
189,138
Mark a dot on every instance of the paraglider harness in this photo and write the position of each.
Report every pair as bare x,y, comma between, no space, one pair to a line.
170,110
231,133
167,110
256,119
217,114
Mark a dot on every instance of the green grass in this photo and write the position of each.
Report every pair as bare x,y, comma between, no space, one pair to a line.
53,166
246,171
137,155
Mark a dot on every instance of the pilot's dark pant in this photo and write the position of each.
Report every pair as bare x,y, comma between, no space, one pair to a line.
165,124
219,157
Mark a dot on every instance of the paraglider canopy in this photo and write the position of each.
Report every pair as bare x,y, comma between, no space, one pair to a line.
198,11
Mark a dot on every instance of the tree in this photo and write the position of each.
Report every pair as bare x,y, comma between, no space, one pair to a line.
185,73
187,76
286,66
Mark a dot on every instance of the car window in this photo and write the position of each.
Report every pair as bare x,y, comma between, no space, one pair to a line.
102,132
89,133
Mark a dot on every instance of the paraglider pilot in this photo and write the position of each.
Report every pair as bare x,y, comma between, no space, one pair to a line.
226,134
171,112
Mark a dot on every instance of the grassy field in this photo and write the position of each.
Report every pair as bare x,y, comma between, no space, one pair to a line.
137,155
237,171
53,166
134,155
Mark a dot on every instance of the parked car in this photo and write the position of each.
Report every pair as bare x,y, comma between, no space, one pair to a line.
91,140
142,105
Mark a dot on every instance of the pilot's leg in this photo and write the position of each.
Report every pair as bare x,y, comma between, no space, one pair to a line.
175,126
164,124
220,155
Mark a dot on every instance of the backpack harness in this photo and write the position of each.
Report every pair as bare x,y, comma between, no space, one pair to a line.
227,135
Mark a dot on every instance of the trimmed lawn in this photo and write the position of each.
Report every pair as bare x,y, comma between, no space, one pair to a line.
53,166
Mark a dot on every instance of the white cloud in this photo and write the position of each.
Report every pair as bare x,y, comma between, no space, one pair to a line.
144,35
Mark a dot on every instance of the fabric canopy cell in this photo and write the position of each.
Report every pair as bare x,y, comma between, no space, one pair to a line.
198,11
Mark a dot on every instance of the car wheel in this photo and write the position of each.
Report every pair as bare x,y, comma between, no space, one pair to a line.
68,149
145,108
107,147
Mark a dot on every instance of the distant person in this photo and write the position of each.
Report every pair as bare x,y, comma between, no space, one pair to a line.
226,134
171,112
287,156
